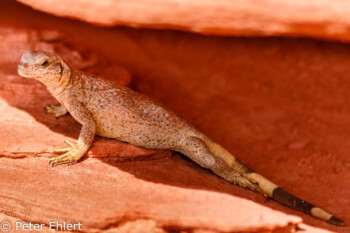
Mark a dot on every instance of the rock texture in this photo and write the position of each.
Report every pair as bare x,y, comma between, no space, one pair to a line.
280,105
315,18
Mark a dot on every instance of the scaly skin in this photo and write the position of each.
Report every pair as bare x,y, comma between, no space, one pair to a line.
117,112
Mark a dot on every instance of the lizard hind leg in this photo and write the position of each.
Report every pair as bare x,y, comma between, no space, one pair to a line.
197,150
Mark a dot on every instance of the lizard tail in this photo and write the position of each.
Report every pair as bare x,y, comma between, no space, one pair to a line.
257,182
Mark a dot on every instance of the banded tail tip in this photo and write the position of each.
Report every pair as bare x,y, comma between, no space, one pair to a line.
336,221
295,203
321,214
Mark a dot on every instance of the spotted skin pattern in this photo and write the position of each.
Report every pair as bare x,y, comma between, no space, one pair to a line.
113,111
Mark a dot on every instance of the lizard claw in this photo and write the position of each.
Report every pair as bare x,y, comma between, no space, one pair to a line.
72,155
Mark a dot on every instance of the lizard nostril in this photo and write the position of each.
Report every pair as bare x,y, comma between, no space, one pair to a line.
25,65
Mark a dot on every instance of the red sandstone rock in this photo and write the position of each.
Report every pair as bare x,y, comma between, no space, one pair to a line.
137,226
102,194
316,18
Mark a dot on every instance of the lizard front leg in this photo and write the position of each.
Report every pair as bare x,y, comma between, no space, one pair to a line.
57,110
86,137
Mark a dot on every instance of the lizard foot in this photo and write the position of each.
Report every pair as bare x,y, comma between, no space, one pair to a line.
72,155
57,110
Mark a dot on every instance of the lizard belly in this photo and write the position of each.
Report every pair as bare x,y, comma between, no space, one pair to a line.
127,128
109,127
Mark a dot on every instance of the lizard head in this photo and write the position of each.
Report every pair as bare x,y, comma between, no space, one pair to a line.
45,67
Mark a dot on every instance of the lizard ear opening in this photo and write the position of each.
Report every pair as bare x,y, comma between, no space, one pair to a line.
65,72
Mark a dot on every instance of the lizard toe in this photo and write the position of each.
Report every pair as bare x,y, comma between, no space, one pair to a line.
62,150
68,158
71,155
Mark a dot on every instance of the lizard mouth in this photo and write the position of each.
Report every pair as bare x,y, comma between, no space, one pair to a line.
24,73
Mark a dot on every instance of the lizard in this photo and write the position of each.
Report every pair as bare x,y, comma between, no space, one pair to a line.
118,112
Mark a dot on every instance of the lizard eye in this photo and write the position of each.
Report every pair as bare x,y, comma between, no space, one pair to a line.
44,63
